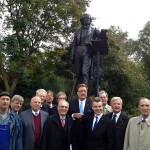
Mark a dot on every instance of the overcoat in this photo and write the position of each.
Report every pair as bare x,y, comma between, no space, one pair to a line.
55,137
137,135
119,130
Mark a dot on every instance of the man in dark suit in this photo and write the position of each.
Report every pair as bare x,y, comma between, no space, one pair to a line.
42,94
33,121
120,122
57,129
50,98
78,109
98,129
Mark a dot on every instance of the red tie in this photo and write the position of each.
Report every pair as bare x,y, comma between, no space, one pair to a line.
63,121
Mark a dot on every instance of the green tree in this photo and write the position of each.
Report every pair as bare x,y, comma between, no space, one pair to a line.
31,27
123,76
143,48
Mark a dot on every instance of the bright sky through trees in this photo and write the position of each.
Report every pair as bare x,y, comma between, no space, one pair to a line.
129,15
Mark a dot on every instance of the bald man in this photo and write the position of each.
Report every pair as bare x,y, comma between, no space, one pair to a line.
137,133
57,129
33,121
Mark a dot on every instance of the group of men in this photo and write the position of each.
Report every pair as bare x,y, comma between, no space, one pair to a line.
79,124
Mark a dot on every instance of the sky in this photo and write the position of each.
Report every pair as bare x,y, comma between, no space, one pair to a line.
130,15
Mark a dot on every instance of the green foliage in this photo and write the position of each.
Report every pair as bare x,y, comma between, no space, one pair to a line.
33,26
143,49
122,76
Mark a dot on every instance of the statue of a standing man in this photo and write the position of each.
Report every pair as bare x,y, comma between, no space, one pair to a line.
81,53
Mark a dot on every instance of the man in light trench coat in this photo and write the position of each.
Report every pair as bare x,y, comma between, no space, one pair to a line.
137,135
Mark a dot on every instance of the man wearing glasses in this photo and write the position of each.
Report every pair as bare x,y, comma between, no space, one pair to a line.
60,96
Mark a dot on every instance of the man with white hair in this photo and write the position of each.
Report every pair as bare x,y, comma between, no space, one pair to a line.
33,122
42,94
120,122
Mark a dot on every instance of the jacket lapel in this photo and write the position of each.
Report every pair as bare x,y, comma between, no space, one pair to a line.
86,106
30,117
100,123
42,119
77,105
57,121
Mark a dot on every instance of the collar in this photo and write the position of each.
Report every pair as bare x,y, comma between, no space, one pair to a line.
139,120
148,118
51,105
82,100
117,114
99,116
35,113
62,117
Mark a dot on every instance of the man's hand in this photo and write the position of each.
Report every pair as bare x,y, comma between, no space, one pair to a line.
78,115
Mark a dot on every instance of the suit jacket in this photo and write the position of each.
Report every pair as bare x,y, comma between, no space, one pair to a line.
92,33
77,135
74,107
53,110
29,128
101,138
119,130
44,107
55,137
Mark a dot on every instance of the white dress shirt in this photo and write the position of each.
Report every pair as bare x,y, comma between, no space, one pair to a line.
94,119
117,116
35,113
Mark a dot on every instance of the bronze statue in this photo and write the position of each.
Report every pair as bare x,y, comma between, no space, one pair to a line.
81,53
82,48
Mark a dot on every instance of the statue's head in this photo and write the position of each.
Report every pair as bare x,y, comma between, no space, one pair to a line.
86,19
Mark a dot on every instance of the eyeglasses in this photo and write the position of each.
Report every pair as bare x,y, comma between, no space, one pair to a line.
82,91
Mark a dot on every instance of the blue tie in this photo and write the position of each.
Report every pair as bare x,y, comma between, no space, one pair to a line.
81,107
95,123
114,118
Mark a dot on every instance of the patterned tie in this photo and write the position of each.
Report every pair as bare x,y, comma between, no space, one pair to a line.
63,121
81,107
114,118
95,123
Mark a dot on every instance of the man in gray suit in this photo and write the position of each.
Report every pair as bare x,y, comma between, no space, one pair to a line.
33,121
